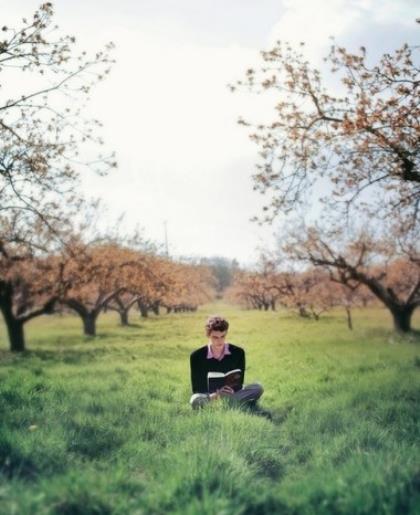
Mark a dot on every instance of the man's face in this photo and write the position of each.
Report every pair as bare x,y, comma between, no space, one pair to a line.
217,338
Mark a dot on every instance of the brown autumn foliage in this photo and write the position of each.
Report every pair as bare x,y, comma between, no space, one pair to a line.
315,292
191,286
309,293
111,276
259,289
29,287
142,286
41,136
389,268
165,283
361,136
96,275
30,277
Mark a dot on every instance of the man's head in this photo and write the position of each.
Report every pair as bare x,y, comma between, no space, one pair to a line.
216,330
216,323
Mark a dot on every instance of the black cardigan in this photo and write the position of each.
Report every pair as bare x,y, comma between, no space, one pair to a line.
200,366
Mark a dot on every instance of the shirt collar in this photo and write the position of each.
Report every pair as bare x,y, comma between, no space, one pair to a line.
226,352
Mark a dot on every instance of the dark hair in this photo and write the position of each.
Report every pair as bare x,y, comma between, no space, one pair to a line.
216,323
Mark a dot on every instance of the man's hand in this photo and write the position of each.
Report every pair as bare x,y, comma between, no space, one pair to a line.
226,390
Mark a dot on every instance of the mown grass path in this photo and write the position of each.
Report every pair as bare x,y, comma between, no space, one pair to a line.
101,426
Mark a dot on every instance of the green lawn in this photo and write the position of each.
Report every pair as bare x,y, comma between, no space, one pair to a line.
101,426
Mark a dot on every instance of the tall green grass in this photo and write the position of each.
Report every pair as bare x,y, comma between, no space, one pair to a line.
103,425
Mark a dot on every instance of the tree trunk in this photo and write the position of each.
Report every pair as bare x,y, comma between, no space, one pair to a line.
402,318
168,310
89,324
302,311
14,325
273,305
144,312
155,308
16,335
349,319
401,313
124,317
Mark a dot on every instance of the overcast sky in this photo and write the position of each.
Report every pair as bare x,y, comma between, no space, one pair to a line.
170,117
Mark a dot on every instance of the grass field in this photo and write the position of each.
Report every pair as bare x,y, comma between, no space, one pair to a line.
103,426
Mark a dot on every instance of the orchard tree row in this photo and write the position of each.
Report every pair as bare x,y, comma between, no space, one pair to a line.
357,276
88,279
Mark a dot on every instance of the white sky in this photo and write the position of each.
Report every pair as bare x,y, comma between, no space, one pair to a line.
170,117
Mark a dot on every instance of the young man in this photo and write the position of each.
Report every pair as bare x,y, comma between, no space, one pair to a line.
219,356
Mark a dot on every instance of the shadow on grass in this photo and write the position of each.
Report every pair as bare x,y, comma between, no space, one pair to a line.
85,505
413,337
92,440
391,336
132,325
81,351
14,464
32,357
29,464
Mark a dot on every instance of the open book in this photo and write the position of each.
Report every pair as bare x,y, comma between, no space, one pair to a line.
217,380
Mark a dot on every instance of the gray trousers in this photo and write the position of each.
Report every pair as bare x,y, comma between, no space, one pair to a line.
249,393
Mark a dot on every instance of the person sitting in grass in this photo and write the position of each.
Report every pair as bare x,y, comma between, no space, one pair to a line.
220,356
